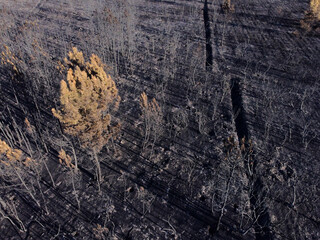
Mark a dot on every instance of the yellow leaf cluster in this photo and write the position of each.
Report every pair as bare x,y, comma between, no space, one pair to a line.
60,67
9,156
65,159
143,100
8,58
227,6
110,18
28,25
153,118
315,8
145,105
227,2
9,153
229,145
37,48
29,127
100,231
87,97
75,58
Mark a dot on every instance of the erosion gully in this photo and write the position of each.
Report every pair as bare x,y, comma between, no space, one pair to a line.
262,225
257,192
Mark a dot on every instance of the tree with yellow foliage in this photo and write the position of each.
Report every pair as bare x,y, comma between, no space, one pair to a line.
153,120
227,6
315,8
312,16
88,98
8,58
14,166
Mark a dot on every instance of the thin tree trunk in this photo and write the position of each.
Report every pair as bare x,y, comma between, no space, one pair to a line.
98,168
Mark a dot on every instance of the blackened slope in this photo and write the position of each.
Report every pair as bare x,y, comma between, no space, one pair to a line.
209,56
257,194
238,111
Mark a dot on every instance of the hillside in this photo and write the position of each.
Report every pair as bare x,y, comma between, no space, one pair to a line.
228,148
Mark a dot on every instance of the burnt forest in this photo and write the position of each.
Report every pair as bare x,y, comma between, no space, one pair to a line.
159,119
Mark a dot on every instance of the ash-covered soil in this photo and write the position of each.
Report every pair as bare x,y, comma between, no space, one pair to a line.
234,154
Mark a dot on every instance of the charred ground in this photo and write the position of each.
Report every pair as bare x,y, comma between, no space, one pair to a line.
235,155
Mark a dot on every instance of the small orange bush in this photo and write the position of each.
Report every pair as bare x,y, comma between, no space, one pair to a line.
87,98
